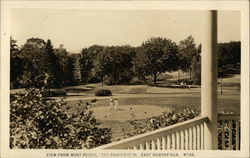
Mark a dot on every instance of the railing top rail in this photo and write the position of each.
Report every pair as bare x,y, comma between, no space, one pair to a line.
229,117
153,134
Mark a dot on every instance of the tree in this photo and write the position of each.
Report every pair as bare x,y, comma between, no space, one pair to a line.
103,65
77,68
66,63
228,59
53,68
39,59
88,62
158,55
35,61
196,67
16,64
115,62
187,48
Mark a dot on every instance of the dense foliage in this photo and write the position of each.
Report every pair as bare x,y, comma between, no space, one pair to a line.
228,58
188,52
173,117
158,55
37,60
39,124
164,120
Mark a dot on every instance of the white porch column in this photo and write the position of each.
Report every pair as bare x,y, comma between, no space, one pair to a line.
209,79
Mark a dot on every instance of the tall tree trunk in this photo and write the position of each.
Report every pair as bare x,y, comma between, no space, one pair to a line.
179,71
155,77
102,81
190,73
221,85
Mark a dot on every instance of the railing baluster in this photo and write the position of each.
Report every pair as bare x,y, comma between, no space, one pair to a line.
141,146
185,136
186,139
147,146
177,140
194,138
158,144
153,145
230,135
198,137
223,135
173,141
182,139
237,135
202,136
168,142
190,138
163,143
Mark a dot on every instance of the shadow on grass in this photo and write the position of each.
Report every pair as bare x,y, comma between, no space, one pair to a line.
78,90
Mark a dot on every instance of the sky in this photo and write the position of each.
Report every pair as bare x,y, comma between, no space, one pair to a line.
77,29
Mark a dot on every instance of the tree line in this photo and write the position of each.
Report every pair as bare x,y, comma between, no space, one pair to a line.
37,62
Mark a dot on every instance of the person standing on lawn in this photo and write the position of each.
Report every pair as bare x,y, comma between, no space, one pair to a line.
185,85
111,102
181,84
116,104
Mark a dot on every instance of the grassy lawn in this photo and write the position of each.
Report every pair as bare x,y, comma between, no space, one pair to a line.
177,103
146,101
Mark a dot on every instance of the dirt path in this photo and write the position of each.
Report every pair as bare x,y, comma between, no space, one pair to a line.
234,96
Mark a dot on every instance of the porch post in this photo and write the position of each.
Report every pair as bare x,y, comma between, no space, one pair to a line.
209,79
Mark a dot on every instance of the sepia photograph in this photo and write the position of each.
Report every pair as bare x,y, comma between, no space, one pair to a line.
92,79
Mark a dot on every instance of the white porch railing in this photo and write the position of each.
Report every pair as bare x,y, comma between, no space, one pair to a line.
188,135
229,131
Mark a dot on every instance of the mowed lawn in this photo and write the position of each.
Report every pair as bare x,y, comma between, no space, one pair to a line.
177,103
147,101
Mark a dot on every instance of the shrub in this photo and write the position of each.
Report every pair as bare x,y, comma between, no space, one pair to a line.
93,100
39,124
103,92
164,120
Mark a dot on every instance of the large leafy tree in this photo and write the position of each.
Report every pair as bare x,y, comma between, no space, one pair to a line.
158,55
88,62
228,61
66,64
229,55
35,61
40,61
76,58
115,62
196,67
188,51
53,68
